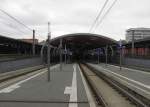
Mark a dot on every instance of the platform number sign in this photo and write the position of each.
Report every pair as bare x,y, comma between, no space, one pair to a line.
98,51
120,43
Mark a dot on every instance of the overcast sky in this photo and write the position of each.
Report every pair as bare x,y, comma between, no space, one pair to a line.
72,16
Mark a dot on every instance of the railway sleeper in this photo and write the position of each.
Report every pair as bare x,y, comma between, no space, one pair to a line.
134,97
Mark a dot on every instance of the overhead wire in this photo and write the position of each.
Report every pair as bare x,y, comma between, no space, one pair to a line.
99,14
13,27
16,28
108,10
15,19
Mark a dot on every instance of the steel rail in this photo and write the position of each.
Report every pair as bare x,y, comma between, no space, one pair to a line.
130,94
98,97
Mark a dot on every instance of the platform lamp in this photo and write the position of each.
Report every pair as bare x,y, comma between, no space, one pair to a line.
48,52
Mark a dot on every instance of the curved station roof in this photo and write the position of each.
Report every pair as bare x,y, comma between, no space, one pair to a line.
83,41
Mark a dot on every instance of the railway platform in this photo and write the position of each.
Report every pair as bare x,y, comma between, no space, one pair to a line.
65,89
135,80
76,85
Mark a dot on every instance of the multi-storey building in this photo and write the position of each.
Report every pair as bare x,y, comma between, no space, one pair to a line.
137,33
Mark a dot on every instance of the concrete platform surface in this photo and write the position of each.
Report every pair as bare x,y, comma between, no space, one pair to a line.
65,89
137,80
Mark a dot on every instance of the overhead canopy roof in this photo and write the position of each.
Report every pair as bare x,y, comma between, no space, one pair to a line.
83,41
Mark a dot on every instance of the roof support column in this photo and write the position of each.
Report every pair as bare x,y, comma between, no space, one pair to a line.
54,55
133,43
98,58
65,55
98,55
106,54
60,54
48,58
33,44
112,51
120,58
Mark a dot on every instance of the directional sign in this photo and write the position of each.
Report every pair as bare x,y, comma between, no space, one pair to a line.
120,43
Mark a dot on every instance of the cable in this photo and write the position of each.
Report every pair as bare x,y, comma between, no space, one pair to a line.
13,27
99,14
15,19
105,14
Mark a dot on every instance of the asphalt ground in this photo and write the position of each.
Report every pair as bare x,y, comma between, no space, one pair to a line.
36,91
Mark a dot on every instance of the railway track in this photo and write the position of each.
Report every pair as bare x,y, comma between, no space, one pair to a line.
110,93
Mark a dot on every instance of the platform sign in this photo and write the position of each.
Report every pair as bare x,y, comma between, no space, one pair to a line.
98,51
65,50
120,43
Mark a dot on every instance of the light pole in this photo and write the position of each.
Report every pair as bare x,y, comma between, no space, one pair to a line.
33,44
48,52
132,43
120,46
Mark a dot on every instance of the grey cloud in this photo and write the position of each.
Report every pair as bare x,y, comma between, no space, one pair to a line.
70,16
